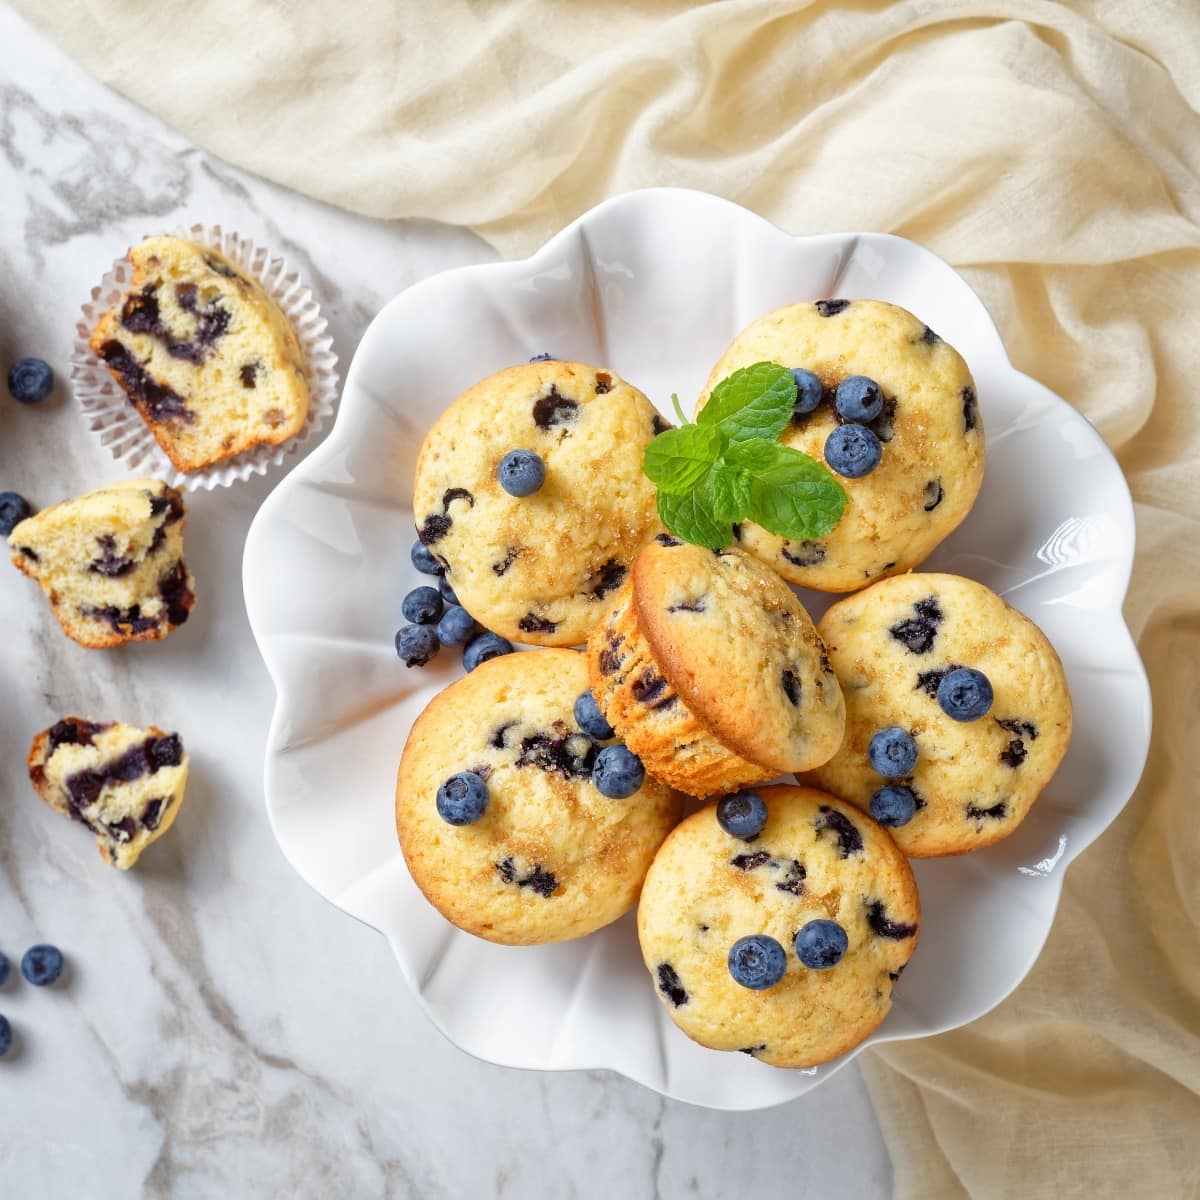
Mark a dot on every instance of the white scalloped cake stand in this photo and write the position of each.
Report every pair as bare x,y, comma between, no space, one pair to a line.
655,284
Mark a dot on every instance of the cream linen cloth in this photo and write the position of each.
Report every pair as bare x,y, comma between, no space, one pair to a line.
1052,153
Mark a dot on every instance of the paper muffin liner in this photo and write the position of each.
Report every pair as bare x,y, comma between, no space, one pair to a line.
113,417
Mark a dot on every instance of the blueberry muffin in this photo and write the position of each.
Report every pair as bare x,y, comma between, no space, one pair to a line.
776,923
111,562
957,711
529,489
122,783
499,813
204,354
892,410
712,672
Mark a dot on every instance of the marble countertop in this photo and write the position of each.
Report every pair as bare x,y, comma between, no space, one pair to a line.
222,1031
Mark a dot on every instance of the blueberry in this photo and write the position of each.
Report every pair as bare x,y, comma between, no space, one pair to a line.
852,451
424,560
821,945
447,592
893,752
742,814
484,648
5,1036
545,356
13,510
808,390
893,806
3,967
456,626
590,719
965,694
462,799
617,772
422,605
521,472
42,965
416,644
757,961
30,380
858,399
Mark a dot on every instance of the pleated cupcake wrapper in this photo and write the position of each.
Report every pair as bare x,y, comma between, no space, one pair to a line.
111,415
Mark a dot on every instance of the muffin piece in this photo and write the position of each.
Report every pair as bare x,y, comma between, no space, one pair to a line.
124,784
816,860
549,857
203,353
537,566
930,432
712,672
111,562
893,646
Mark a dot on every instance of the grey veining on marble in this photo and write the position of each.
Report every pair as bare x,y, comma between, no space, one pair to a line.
222,1031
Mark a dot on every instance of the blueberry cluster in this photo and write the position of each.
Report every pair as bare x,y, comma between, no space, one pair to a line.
437,619
853,449
759,961
893,754
616,772
41,965
30,381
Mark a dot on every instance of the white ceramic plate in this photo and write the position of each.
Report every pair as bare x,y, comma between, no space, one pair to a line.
655,284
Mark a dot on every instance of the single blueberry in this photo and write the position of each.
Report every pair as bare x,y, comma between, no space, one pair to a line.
30,380
447,592
416,644
742,814
590,719
462,799
965,694
484,648
821,945
617,772
42,965
757,962
545,356
456,626
422,605
808,390
5,1036
852,451
13,510
423,559
893,752
893,806
3,967
858,399
521,472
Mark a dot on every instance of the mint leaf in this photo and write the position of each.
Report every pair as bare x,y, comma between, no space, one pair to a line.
791,495
691,517
679,458
755,402
679,410
727,490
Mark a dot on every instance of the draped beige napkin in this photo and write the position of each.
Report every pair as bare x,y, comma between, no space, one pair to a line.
1051,152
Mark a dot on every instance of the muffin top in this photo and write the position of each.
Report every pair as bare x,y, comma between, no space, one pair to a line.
548,857
816,859
732,639
929,431
974,778
536,566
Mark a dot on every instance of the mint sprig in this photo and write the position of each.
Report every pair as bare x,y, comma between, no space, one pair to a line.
729,467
